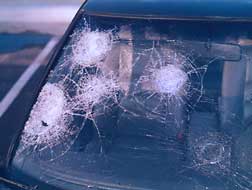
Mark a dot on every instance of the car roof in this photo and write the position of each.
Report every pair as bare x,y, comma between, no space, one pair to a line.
172,9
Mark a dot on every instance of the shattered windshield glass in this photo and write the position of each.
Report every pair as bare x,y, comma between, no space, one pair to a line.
144,104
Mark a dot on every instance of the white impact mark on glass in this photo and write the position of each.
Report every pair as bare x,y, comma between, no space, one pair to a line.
90,47
170,79
48,122
211,154
93,89
167,80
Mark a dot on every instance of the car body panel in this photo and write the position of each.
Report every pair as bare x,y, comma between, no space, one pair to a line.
172,9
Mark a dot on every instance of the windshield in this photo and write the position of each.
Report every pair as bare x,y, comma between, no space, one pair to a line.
144,104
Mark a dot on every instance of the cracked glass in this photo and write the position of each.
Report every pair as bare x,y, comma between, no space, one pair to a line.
144,104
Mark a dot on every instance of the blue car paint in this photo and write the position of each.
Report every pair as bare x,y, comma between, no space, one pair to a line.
173,9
